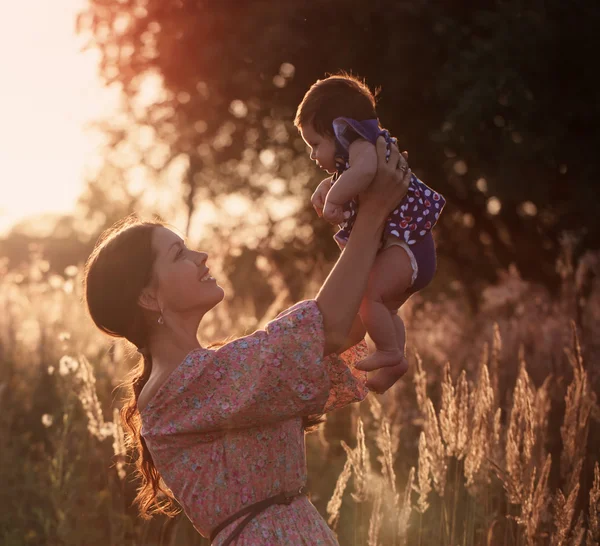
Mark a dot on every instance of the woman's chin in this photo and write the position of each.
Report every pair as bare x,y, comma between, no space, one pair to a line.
219,295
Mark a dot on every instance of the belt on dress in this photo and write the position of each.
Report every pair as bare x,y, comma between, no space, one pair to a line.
253,510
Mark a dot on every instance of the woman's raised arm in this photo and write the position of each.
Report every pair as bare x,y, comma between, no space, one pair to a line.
340,296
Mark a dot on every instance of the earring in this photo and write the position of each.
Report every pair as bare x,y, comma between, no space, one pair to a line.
161,319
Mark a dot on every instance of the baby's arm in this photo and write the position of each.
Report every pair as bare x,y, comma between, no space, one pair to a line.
319,195
363,166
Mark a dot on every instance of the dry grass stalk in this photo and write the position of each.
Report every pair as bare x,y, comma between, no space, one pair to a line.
482,401
376,517
449,413
579,402
494,360
359,460
404,514
564,510
383,440
575,476
420,381
462,421
520,437
497,428
423,475
484,359
578,532
335,503
536,504
593,534
541,412
119,445
376,408
363,469
89,400
435,449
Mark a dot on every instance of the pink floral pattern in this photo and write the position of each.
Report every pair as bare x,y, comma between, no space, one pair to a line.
225,429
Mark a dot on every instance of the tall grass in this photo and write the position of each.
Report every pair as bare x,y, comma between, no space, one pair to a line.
492,437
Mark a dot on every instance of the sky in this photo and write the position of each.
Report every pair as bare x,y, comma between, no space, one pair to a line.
49,91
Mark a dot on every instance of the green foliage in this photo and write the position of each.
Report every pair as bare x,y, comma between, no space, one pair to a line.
500,91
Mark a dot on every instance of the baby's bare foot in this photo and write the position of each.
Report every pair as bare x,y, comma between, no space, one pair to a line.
382,380
380,359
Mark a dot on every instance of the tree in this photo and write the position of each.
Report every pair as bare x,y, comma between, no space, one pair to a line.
468,88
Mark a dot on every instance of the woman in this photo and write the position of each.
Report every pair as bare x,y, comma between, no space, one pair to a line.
223,429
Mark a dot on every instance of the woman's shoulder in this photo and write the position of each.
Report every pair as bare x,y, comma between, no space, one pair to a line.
299,324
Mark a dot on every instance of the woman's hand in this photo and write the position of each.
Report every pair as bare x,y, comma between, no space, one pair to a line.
389,185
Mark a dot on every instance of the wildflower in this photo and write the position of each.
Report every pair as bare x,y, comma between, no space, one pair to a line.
47,420
66,365
71,270
55,282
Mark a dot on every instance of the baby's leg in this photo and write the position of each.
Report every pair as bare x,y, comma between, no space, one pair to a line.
384,378
389,281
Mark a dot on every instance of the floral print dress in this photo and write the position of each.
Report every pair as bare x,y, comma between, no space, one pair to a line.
225,428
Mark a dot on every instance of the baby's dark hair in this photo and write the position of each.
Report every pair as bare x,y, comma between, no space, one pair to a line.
339,95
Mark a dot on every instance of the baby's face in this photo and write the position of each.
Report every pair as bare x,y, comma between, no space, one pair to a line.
322,148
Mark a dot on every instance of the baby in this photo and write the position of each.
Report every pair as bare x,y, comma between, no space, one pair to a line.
338,121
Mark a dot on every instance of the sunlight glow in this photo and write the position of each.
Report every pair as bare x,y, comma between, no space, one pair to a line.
50,90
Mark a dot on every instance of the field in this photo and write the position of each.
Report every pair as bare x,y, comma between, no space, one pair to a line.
491,438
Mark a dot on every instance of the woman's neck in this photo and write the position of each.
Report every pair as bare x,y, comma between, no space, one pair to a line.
172,341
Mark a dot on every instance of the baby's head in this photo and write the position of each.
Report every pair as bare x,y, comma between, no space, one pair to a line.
341,95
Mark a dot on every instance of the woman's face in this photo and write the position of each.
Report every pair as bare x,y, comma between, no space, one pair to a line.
181,275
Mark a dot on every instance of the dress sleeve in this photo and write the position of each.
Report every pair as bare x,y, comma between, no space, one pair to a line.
271,375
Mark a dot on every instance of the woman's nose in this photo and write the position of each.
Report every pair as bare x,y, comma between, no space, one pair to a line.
201,257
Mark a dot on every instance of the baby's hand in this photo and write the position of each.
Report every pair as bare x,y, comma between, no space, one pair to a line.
320,194
334,214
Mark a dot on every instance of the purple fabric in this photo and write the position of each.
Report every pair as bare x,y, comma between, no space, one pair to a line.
424,253
415,215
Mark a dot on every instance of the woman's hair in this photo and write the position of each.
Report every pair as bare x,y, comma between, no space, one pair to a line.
339,95
118,269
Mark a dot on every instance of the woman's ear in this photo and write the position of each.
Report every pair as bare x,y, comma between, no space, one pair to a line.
148,300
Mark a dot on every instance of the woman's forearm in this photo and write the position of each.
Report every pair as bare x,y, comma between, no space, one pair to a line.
355,335
340,296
